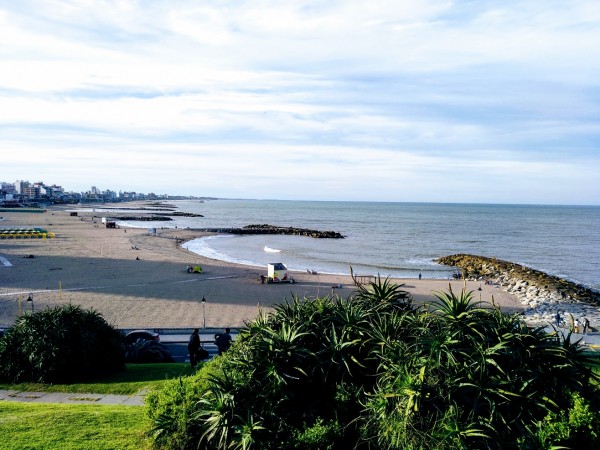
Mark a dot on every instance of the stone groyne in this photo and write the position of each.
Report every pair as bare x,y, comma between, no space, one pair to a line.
156,217
273,229
541,294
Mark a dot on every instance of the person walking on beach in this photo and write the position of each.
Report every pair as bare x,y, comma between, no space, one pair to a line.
223,341
586,325
557,319
576,325
194,347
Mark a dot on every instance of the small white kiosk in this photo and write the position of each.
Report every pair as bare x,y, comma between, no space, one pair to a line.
278,273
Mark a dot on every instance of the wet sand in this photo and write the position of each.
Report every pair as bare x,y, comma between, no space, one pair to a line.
139,280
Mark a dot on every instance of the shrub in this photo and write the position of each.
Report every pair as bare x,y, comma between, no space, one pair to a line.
60,345
371,372
574,427
319,436
147,351
172,408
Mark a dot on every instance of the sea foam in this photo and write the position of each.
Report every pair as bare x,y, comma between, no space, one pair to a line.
271,250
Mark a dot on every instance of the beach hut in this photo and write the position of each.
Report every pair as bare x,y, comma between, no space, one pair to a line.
278,273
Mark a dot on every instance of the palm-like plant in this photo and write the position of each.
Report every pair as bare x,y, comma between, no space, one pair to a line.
366,373
385,291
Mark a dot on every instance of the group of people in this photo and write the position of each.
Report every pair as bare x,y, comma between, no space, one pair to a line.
198,353
579,325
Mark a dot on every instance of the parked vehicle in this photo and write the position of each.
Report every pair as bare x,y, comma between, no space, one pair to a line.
145,335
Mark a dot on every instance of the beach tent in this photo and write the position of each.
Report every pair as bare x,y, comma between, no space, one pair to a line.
278,273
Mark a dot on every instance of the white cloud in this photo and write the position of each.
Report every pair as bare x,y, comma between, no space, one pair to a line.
403,96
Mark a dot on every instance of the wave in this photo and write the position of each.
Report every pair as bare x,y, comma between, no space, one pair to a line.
423,264
201,247
271,250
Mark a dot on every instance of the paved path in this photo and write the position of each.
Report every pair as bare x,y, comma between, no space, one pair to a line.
61,397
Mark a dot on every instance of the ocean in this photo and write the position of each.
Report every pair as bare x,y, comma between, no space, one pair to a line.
400,239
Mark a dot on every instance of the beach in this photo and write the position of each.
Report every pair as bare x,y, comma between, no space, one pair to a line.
138,279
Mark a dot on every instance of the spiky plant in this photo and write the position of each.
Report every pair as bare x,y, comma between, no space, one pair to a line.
383,291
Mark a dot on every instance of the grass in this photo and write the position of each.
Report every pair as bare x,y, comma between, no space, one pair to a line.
135,378
93,427
59,426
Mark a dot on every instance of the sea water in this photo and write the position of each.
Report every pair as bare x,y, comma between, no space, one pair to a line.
401,239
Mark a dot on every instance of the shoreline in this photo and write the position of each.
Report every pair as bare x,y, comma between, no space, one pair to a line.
215,234
98,267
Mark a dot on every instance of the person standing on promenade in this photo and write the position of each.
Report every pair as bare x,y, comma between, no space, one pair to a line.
223,341
194,347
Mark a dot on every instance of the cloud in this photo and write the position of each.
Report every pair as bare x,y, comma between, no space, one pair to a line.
421,99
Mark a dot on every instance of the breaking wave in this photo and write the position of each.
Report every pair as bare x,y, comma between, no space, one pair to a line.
271,250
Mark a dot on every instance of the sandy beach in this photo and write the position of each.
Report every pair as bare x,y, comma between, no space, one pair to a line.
139,280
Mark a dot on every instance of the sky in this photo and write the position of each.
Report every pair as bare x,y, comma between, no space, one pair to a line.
383,100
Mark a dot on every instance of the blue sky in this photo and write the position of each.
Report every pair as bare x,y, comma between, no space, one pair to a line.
412,100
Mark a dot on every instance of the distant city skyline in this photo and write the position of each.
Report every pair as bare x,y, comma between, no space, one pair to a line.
413,101
25,191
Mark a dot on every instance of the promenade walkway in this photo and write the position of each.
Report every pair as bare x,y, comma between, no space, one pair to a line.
62,397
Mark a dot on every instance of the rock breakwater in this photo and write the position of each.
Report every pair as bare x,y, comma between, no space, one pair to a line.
156,217
543,295
273,229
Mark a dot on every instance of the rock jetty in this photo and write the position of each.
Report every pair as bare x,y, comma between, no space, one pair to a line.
273,229
142,218
541,294
156,217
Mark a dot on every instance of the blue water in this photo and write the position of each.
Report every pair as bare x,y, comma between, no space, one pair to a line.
402,239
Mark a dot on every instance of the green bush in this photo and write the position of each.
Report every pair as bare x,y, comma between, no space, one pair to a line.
574,427
319,436
147,351
172,409
371,372
60,345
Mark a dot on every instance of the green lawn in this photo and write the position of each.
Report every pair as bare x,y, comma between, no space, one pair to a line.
134,379
92,427
59,426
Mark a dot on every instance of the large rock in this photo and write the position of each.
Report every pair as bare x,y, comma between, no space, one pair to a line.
541,294
521,277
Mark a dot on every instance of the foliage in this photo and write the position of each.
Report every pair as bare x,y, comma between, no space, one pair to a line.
58,345
171,407
147,351
372,372
383,291
574,427
318,436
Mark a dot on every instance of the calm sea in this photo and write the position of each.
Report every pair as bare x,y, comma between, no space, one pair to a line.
402,239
